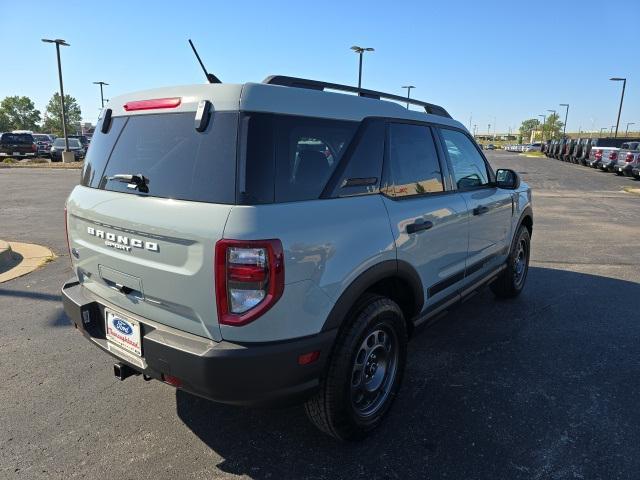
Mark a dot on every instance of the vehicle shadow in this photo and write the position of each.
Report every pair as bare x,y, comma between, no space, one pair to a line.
537,387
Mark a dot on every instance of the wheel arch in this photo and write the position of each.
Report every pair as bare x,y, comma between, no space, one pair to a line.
395,279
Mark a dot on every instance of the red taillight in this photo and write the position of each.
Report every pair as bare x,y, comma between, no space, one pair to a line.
598,154
613,155
629,157
34,147
249,277
152,104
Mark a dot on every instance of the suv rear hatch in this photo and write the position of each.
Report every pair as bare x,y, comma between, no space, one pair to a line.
149,249
16,143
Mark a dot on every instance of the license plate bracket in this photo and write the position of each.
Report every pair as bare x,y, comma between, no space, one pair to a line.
123,332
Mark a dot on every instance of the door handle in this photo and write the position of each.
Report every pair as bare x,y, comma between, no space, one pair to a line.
419,226
480,210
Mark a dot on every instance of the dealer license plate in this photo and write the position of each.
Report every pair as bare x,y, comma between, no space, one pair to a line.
123,332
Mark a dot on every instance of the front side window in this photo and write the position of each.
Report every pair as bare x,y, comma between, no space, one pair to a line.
414,168
469,168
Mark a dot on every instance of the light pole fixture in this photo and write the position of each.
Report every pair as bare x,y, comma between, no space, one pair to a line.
611,130
544,120
58,42
408,87
360,51
101,93
566,114
624,85
626,132
602,130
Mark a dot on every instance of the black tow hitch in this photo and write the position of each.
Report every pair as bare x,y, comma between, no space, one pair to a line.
122,371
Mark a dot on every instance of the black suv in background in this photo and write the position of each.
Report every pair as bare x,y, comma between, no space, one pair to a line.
17,145
83,139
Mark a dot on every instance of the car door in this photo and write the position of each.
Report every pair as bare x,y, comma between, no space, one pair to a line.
428,219
490,208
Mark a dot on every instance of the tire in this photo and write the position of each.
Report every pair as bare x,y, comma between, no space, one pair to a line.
370,352
511,281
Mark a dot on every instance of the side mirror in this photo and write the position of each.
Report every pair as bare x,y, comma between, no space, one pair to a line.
507,179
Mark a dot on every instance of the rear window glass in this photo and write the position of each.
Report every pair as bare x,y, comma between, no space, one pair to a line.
178,161
17,138
73,142
300,153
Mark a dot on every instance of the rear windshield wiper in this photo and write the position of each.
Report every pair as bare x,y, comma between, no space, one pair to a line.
136,182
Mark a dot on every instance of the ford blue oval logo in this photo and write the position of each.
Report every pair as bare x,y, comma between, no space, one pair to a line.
122,326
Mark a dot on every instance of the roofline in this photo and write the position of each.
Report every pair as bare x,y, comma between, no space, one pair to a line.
296,82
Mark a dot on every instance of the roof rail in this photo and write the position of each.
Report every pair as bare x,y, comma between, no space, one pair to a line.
285,81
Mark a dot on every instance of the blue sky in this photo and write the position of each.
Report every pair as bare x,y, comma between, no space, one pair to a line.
489,60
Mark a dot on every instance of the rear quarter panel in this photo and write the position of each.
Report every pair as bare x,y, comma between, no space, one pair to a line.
327,245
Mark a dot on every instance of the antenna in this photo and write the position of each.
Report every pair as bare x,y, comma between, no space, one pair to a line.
211,78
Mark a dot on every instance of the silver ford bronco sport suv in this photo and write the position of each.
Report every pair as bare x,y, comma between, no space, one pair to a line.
273,243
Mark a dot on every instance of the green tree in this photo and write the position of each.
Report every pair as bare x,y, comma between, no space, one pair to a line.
527,127
18,113
553,127
53,115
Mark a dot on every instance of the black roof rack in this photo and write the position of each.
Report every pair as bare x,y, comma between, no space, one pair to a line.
285,81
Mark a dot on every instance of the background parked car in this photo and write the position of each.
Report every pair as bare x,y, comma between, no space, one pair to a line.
84,140
17,145
74,146
43,143
533,147
626,158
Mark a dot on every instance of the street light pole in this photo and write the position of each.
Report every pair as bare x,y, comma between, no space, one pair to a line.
566,114
59,42
624,85
101,93
602,129
544,120
611,130
626,132
360,51
408,87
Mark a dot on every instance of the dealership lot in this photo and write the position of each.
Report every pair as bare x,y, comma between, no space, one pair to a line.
544,386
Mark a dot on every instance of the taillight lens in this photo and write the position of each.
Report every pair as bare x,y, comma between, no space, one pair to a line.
249,279
34,147
613,155
598,154
629,157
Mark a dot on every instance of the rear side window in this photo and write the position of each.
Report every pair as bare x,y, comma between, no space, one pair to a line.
17,138
178,161
361,174
290,158
414,168
469,168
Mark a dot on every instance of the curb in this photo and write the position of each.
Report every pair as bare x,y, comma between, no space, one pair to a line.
6,255
18,259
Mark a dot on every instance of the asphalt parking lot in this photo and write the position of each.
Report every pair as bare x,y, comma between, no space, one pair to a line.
545,386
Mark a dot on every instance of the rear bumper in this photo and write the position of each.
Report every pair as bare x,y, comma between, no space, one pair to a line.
18,154
266,374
